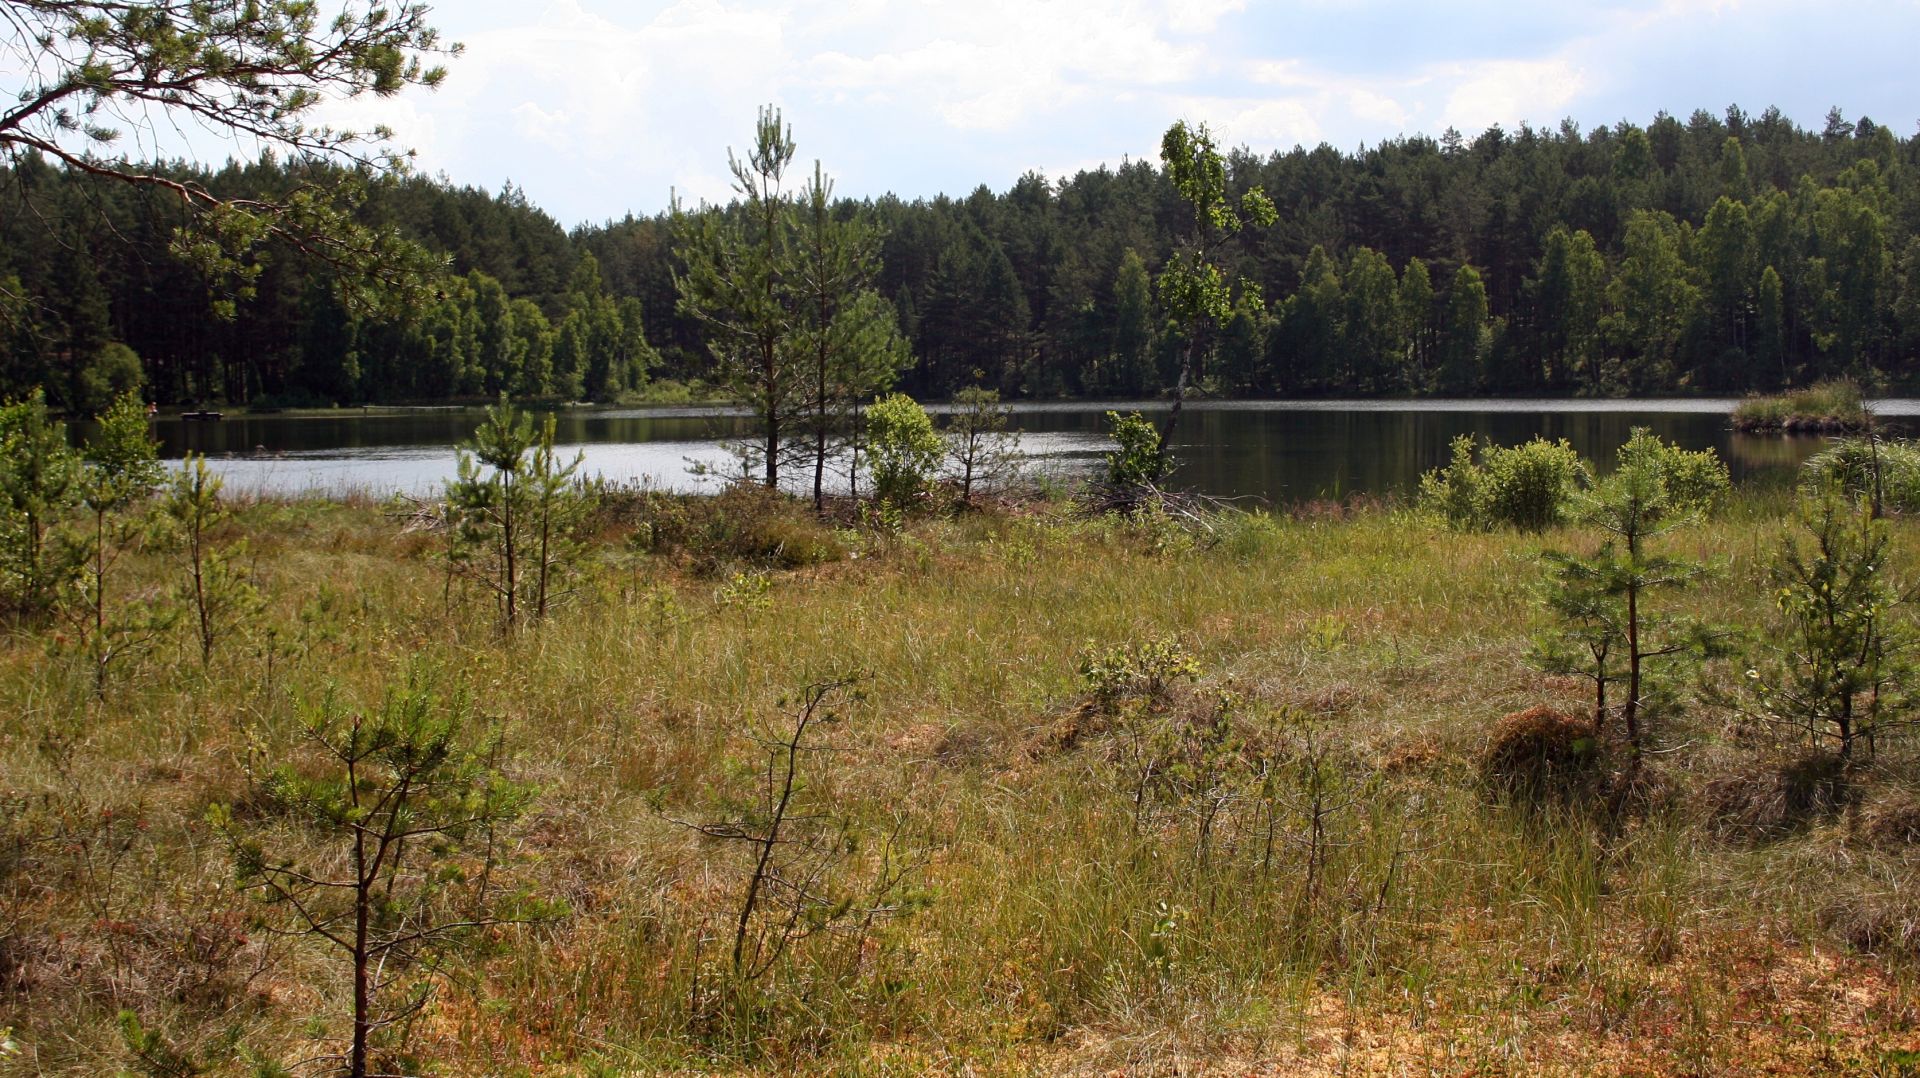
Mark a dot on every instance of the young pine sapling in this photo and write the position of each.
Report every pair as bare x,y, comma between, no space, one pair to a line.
217,589
120,469
514,509
1843,672
39,487
980,449
383,843
1608,629
801,878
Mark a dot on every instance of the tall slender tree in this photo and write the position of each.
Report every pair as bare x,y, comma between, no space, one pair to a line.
1193,289
736,281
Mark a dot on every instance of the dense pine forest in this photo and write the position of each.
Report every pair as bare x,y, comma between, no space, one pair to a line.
1720,253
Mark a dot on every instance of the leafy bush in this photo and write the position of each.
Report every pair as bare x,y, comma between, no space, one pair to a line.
1137,459
1848,465
903,449
1146,670
1694,480
1526,486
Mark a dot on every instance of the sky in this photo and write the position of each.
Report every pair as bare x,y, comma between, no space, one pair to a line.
596,108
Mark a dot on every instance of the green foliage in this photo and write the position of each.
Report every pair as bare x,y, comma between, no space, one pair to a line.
782,286
1137,458
256,70
1193,289
1143,670
40,481
383,843
1694,481
903,449
114,371
119,470
979,446
513,524
1608,628
120,462
1528,486
1842,670
217,588
1835,405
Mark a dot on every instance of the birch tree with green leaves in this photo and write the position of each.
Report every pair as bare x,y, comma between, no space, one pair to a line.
1193,289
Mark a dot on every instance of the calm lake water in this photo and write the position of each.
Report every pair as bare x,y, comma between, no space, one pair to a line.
1280,451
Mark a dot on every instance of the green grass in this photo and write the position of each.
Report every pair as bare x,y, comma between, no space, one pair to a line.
1836,406
1068,924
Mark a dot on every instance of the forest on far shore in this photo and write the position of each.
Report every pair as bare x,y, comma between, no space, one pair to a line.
1720,253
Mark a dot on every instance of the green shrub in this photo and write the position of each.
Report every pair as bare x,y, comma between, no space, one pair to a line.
1137,460
903,449
1526,486
1695,480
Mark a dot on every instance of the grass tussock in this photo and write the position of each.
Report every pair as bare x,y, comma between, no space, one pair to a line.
1832,407
1105,796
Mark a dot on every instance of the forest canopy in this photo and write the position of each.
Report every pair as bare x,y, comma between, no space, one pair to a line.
1721,253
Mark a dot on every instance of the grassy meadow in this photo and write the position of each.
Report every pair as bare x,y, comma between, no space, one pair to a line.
1098,797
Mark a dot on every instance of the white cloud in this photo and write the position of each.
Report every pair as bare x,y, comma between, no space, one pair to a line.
1377,109
1200,16
1508,91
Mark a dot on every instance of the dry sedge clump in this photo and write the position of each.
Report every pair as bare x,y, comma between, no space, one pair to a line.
1771,798
743,524
1875,921
1539,752
1892,820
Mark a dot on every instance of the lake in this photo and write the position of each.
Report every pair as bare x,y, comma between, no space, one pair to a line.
1279,451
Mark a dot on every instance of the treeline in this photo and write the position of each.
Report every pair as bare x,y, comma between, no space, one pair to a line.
1722,253
95,301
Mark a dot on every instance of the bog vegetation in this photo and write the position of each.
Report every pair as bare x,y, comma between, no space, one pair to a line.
547,777
1569,767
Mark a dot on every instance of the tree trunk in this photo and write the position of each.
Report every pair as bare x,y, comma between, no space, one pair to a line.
362,959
